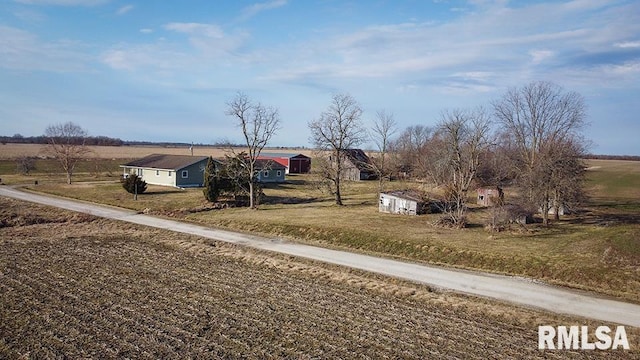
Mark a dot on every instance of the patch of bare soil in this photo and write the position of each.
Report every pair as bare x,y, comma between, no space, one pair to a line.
93,288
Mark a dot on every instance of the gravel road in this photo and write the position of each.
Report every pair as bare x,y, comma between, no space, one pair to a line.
505,288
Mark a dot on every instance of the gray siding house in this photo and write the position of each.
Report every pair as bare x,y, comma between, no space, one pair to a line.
269,171
169,170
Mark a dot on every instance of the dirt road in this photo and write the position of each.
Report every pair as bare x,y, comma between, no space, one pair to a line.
510,289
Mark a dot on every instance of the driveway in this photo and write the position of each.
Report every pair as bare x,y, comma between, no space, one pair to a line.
504,288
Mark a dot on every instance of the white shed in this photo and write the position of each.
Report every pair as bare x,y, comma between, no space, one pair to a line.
404,202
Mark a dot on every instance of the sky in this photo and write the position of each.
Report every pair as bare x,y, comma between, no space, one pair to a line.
165,70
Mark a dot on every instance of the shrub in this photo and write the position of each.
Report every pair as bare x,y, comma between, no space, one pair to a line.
131,182
212,186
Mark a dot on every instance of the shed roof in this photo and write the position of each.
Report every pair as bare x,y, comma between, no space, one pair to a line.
281,155
406,194
165,161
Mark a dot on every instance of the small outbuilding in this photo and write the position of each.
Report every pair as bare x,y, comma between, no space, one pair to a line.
490,196
406,202
169,170
293,163
269,171
357,165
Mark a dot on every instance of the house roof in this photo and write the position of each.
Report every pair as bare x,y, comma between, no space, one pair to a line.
281,155
269,164
358,158
165,161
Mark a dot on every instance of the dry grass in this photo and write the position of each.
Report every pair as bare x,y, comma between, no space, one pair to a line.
70,290
597,251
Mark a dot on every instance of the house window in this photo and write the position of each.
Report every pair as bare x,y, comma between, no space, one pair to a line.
139,172
265,173
185,174
169,173
157,172
279,173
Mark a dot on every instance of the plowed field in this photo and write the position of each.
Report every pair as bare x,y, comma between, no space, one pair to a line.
76,286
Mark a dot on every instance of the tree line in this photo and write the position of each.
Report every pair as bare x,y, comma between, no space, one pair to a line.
529,138
44,139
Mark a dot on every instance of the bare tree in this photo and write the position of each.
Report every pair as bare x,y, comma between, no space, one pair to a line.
411,150
538,120
67,144
337,129
258,123
384,127
464,136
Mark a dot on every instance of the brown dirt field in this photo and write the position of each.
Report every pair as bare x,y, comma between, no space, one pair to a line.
14,151
74,286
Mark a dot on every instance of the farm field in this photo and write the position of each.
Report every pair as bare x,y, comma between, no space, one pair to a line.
11,151
598,250
71,289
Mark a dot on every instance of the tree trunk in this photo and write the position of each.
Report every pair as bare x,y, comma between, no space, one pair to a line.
68,178
556,206
338,195
545,210
251,199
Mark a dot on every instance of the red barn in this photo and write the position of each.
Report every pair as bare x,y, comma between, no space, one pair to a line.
293,163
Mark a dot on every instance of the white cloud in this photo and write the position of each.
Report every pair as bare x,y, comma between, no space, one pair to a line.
153,58
629,68
538,56
253,10
146,31
63,2
197,29
628,44
20,49
125,9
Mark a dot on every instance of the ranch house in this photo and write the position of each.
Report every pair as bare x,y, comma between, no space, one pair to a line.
169,170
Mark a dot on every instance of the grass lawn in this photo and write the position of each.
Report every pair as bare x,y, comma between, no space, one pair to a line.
598,250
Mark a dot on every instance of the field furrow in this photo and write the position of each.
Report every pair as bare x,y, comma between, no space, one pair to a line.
87,293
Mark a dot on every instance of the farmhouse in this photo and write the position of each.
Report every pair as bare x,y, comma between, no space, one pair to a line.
405,202
358,166
169,170
293,163
269,171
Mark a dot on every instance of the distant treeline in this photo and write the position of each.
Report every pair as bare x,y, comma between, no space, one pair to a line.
613,157
108,141
90,140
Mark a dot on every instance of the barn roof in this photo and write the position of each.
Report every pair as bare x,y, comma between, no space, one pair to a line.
165,161
358,158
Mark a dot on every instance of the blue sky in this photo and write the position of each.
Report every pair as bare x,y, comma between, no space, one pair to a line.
163,70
